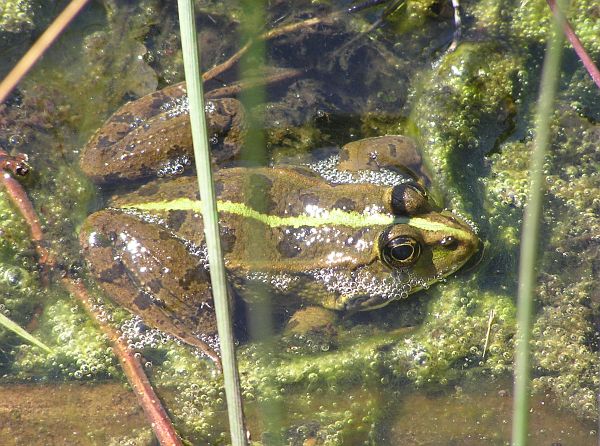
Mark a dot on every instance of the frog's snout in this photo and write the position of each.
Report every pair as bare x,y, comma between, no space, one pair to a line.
476,257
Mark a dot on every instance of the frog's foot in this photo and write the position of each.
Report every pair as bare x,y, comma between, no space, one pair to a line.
204,347
311,319
312,328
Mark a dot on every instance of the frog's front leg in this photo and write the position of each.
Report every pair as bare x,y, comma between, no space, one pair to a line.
395,152
313,325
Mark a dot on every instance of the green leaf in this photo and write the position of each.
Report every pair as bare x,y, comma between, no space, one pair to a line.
12,326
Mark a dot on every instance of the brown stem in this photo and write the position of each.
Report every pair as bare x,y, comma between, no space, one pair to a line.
587,61
39,47
156,414
237,87
275,32
133,369
19,198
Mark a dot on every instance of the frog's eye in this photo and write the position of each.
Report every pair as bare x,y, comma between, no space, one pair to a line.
401,252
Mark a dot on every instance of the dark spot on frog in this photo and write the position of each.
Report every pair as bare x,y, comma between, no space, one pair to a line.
358,235
227,240
344,155
288,249
175,219
143,301
157,103
219,186
392,148
304,171
191,276
149,189
101,240
111,274
309,199
154,286
345,204
259,194
125,117
104,142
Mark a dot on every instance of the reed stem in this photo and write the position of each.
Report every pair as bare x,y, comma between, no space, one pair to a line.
530,235
191,60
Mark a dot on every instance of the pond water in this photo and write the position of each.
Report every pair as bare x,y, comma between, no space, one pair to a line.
434,368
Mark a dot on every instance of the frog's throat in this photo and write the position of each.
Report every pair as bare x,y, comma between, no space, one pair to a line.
320,217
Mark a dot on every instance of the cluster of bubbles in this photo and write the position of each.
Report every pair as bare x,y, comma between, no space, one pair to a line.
139,335
361,282
16,16
280,282
566,362
78,351
176,107
174,166
328,169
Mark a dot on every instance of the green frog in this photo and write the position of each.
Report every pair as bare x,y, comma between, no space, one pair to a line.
351,232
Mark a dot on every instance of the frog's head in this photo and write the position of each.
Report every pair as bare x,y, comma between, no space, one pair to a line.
413,254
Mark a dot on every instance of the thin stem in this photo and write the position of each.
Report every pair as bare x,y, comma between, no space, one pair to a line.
275,32
530,236
587,61
260,317
19,198
39,47
133,370
237,87
191,62
20,331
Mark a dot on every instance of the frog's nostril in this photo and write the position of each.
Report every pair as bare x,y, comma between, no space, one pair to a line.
449,242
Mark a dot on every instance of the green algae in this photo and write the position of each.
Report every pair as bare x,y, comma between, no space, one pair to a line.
79,351
17,16
532,22
462,107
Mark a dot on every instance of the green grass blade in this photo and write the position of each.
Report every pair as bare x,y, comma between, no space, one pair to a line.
16,328
191,61
530,236
260,319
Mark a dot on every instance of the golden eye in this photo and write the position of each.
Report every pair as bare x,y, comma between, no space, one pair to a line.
401,252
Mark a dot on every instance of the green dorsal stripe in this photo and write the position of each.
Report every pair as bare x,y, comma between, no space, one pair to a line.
325,218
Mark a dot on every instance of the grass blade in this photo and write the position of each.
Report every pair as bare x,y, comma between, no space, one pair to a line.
261,320
191,60
530,235
16,328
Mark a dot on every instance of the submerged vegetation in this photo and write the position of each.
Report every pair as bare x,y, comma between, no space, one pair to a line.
470,110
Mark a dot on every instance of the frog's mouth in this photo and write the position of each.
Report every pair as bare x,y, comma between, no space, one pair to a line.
363,302
475,258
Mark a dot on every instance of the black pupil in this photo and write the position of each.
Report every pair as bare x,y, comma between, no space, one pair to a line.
402,252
